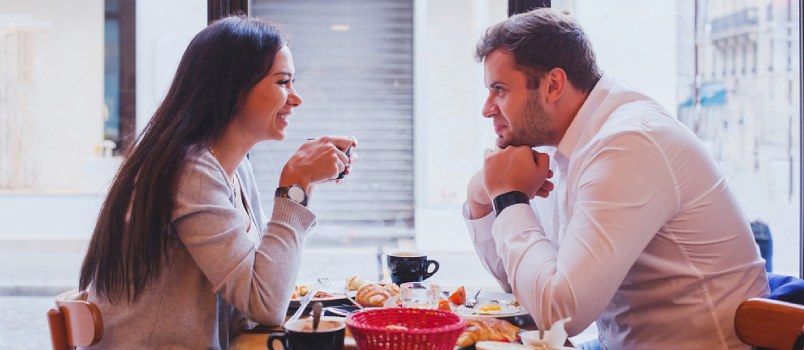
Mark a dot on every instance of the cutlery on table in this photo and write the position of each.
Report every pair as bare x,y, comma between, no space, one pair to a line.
346,292
322,282
317,314
472,302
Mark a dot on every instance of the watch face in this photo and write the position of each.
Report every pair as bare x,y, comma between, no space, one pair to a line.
296,194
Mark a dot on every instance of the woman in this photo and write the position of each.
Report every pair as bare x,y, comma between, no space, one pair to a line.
182,252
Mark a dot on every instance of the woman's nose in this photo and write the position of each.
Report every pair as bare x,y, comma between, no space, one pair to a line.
294,99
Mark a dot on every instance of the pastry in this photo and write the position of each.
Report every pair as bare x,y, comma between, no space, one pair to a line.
375,294
478,329
354,283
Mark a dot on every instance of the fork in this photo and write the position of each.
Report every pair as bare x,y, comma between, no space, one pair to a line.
472,302
324,282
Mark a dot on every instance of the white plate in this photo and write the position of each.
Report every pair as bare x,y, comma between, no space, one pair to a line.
503,299
336,291
505,311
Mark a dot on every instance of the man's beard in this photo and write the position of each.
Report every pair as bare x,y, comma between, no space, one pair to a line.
536,128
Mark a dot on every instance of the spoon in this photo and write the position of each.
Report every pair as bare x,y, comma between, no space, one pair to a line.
317,314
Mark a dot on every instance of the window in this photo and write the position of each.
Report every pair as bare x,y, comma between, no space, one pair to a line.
354,70
750,122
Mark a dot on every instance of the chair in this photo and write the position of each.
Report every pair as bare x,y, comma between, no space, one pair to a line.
74,321
769,323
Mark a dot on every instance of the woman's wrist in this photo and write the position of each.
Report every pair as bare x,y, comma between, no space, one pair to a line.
291,177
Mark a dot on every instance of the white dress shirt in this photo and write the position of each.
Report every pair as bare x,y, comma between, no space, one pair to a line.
640,235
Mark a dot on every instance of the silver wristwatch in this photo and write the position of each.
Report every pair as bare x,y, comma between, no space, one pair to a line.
292,192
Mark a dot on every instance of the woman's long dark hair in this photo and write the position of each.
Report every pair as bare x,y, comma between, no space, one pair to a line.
220,66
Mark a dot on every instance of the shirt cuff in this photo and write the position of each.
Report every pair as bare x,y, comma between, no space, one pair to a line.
298,217
479,229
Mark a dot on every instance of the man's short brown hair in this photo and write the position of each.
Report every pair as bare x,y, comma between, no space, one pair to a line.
541,40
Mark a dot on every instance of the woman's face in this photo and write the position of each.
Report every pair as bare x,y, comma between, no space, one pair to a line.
267,107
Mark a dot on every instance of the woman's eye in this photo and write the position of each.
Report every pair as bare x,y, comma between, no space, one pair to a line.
283,82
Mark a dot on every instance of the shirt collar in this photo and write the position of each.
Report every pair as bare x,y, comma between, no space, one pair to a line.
596,97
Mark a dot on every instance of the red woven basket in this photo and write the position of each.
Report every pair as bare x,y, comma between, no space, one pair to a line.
405,329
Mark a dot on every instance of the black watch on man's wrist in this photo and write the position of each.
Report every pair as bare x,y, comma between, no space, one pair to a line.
508,199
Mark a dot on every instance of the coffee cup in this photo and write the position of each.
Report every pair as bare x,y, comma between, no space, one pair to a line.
410,267
299,335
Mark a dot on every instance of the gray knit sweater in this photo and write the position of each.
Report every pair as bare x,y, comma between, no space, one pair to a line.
214,275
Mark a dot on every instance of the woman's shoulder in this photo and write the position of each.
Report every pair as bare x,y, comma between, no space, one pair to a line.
200,165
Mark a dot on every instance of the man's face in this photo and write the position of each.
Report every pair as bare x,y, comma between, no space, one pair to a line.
518,115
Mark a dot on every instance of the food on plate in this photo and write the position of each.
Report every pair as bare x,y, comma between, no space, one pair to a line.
478,329
354,283
302,290
375,294
496,345
443,304
458,297
489,307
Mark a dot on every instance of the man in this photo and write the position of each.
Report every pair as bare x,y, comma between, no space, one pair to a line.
640,234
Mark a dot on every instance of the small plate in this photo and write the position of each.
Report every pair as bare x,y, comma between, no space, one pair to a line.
336,292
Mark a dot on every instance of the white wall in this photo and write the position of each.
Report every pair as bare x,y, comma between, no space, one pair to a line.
67,101
450,130
64,99
634,40
164,29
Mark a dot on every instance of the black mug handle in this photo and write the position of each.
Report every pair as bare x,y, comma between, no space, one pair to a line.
277,336
427,273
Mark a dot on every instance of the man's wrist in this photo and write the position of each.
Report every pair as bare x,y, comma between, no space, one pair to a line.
508,199
477,210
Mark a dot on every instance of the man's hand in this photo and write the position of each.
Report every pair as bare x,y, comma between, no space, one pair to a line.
517,168
477,198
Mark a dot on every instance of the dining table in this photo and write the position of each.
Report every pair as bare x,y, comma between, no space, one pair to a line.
255,336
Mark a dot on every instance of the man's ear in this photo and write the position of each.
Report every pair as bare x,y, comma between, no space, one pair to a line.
556,84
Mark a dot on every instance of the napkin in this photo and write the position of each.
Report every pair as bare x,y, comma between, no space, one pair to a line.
555,337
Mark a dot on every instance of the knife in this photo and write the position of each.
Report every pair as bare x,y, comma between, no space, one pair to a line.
303,303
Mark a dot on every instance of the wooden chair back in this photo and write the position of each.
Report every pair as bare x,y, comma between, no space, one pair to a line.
769,323
74,321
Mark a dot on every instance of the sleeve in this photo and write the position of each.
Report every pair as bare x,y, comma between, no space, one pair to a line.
256,280
480,234
625,193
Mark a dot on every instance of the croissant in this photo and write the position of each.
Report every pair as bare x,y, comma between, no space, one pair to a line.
478,329
354,283
375,294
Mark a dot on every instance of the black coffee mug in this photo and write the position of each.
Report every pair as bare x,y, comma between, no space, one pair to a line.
299,335
410,267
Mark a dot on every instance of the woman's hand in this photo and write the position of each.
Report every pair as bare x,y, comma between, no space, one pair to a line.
318,160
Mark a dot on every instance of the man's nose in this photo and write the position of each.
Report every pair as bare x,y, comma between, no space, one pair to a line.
490,109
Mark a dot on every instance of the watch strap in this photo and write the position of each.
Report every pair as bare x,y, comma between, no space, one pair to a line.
508,199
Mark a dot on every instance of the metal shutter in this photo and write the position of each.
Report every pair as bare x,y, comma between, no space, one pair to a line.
355,82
